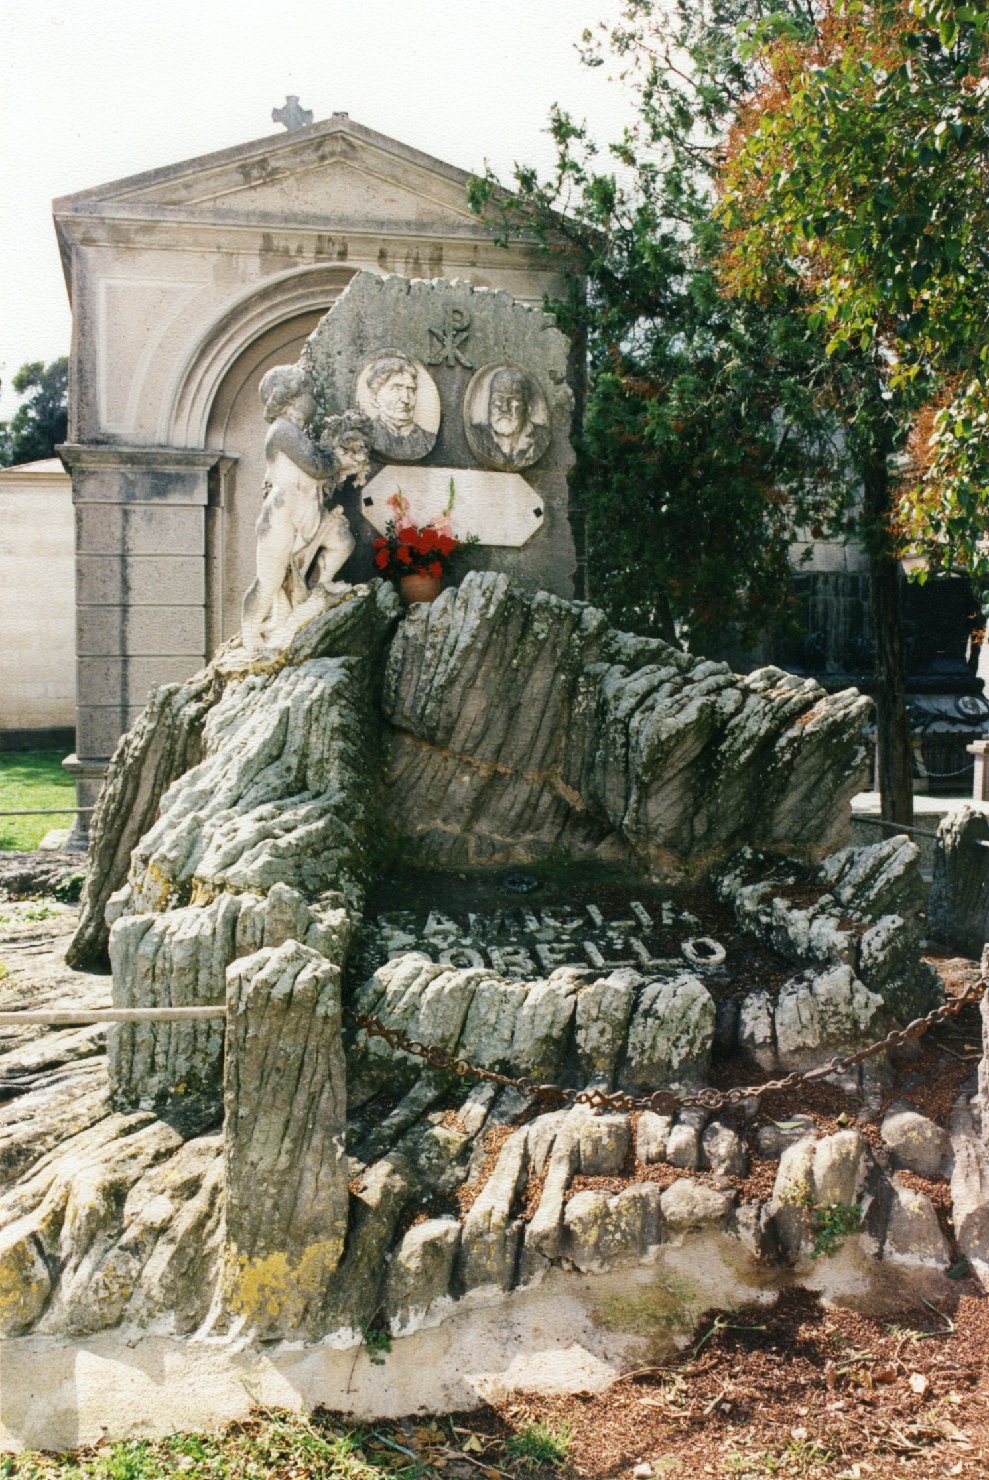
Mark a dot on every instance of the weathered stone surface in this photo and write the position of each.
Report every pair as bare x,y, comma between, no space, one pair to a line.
867,919
284,1128
544,1234
812,1175
602,1231
839,1167
670,1036
23,875
539,731
882,879
826,1010
753,1227
180,959
756,1029
913,1234
970,1190
167,741
490,1233
915,1141
688,1206
603,1144
652,1134
602,1016
420,1272
723,1150
161,746
516,1027
958,911
683,1146
58,1225
772,1140
280,797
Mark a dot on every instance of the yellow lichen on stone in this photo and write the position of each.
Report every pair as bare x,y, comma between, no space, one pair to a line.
24,1281
274,1290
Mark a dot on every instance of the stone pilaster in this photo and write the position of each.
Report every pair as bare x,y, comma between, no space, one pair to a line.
141,588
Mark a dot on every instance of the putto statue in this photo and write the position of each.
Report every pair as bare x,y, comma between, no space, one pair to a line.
302,537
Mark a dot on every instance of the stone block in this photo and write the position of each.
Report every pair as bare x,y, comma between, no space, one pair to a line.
913,1233
688,1206
118,679
284,1135
723,1150
139,529
420,1272
652,1134
140,580
604,1144
915,1141
142,631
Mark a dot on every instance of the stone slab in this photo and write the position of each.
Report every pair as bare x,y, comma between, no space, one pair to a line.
573,1332
456,333
500,508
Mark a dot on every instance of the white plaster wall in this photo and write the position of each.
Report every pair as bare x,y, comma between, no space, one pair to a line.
37,598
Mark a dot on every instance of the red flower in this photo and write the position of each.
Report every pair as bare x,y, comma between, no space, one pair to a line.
381,559
402,554
380,543
445,544
436,569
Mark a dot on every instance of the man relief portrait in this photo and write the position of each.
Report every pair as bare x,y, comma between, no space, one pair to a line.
400,396
506,417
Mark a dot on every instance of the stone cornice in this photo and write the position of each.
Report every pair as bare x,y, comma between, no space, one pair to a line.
89,455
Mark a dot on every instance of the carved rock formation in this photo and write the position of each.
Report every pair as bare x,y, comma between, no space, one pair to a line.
243,821
531,730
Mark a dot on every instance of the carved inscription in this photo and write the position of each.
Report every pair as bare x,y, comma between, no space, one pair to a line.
526,943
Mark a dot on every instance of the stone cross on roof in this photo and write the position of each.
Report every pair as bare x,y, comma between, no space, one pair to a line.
291,115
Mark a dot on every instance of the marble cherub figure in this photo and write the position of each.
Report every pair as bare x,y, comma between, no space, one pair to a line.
302,537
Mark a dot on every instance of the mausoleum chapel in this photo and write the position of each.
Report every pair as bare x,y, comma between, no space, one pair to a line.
453,972
187,284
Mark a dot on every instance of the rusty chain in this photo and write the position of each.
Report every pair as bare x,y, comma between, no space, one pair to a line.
661,1100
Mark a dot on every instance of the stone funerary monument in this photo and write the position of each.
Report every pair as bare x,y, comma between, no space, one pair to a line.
428,929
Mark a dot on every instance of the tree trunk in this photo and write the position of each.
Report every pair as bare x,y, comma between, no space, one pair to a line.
892,727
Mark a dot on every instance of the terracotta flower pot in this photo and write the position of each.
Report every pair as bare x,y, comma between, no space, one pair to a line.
418,588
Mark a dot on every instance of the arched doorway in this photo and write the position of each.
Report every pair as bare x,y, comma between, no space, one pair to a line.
237,427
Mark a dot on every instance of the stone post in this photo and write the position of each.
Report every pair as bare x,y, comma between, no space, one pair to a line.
284,1128
980,770
141,598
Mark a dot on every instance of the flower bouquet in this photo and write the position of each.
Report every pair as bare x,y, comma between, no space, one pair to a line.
417,556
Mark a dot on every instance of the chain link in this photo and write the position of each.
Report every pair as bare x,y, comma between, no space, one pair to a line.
661,1100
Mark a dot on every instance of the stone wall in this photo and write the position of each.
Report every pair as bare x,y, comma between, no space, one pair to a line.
37,598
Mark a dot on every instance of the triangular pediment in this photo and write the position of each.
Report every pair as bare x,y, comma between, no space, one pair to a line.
328,172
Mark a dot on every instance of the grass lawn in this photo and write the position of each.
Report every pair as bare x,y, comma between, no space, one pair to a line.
32,778
286,1446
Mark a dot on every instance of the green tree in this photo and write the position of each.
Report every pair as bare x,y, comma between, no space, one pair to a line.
708,439
41,420
857,177
716,424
